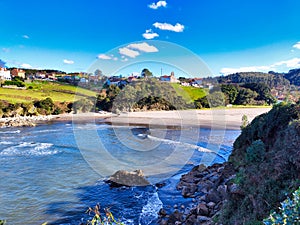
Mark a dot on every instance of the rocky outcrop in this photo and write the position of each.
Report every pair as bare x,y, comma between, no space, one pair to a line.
264,166
23,121
125,178
208,189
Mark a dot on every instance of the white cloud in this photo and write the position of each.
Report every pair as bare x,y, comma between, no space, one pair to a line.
115,58
124,59
104,57
297,45
292,63
67,61
26,66
143,47
128,52
157,5
149,34
286,64
25,36
227,71
166,26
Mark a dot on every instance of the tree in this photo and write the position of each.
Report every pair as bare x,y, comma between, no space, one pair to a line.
98,72
245,97
230,91
263,91
146,73
45,106
83,105
216,99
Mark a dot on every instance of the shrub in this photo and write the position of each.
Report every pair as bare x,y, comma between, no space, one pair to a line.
45,107
83,105
17,83
245,122
289,212
256,151
267,161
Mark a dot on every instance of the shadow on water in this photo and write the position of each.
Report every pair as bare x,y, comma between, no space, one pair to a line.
132,205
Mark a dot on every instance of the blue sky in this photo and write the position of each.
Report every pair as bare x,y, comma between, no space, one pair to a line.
228,36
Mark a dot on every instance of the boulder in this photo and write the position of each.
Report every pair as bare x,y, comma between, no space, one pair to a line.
129,179
202,209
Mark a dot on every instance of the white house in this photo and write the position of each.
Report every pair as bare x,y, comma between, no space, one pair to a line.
5,74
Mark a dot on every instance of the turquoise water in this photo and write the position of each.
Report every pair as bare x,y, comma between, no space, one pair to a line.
54,172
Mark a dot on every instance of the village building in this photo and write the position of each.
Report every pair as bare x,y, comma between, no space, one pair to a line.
4,74
18,73
170,79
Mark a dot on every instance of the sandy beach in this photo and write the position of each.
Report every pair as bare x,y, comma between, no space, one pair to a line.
216,118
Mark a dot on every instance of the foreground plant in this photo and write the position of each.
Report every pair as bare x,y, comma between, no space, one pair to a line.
108,219
289,212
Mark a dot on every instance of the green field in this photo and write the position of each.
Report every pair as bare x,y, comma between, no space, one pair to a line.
189,93
41,90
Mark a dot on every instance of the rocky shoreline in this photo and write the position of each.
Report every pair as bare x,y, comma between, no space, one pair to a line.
207,189
24,121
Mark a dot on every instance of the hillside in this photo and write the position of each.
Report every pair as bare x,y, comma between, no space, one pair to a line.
189,93
41,90
270,79
293,76
267,163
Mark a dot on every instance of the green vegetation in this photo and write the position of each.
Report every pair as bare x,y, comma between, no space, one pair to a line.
270,79
14,83
44,98
40,90
247,94
293,76
231,92
245,122
289,212
39,107
267,163
145,94
150,94
83,106
189,93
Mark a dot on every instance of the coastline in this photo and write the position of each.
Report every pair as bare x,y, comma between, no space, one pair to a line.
214,119
24,121
211,119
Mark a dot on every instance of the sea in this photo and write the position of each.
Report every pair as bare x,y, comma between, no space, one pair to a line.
55,171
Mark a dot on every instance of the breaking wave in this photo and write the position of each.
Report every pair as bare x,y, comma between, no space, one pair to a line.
29,149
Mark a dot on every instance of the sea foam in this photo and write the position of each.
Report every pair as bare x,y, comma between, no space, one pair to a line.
29,149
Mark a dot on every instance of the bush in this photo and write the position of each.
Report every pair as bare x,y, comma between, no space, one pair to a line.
16,83
289,212
256,152
45,107
83,105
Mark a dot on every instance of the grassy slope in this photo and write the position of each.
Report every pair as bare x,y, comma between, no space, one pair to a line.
41,90
189,93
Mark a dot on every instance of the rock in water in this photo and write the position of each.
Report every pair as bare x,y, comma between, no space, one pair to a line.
125,178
